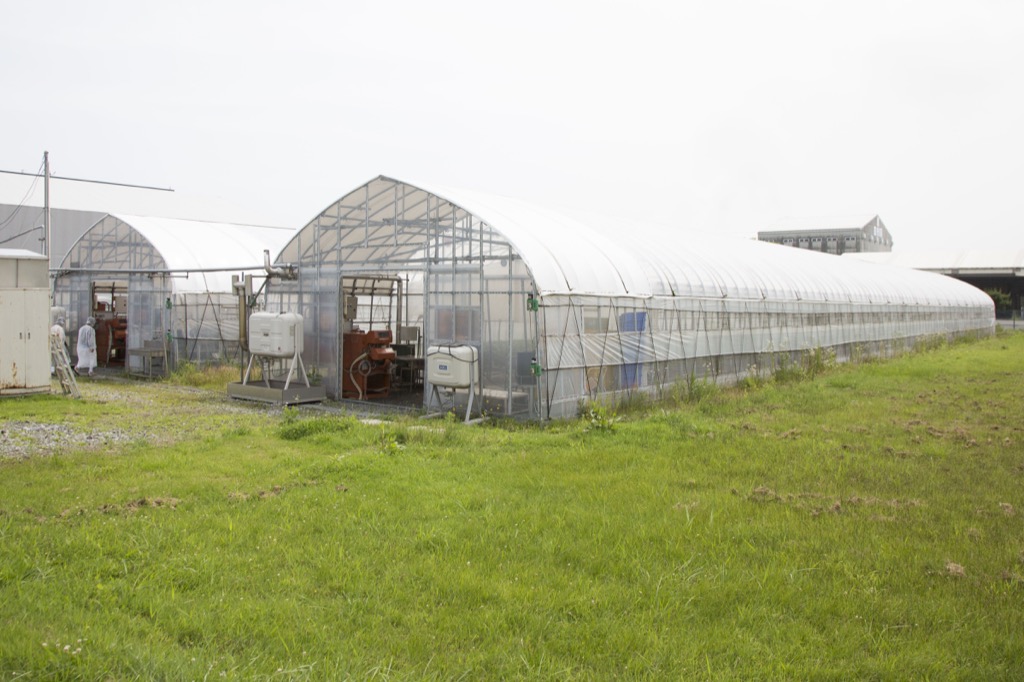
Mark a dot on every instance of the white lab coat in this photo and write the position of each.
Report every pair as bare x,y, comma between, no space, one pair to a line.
86,349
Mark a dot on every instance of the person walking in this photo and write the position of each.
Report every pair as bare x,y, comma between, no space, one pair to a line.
87,347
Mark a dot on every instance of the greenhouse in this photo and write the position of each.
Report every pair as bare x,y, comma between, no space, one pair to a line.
160,289
554,311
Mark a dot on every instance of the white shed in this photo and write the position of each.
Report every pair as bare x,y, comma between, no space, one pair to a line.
24,310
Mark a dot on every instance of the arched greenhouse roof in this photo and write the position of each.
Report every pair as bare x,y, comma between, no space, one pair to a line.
606,256
202,255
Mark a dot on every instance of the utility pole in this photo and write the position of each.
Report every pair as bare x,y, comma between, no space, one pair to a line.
46,202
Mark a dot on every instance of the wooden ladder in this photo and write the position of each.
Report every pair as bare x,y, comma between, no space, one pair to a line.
62,367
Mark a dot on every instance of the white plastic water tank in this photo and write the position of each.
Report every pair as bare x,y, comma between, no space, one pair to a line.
275,335
453,366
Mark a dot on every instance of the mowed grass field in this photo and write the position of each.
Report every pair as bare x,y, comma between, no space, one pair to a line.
865,523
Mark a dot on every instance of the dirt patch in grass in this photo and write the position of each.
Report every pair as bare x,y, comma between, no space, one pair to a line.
955,570
813,502
275,490
128,507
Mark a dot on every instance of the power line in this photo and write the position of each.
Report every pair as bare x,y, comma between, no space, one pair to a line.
21,204
20,234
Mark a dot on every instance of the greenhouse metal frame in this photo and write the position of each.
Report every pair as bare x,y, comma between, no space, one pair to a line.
568,309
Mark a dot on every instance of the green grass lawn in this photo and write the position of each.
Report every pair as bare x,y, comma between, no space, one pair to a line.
868,523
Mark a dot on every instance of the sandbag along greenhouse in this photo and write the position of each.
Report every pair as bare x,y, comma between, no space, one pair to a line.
562,309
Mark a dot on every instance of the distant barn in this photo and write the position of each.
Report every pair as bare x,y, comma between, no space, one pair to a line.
857,234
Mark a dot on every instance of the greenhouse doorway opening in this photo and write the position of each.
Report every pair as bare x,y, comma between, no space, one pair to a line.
380,345
109,306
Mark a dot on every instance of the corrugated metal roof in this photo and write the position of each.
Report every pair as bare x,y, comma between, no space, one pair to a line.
21,254
822,223
950,260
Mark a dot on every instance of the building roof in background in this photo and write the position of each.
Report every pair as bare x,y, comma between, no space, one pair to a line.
21,254
952,261
856,222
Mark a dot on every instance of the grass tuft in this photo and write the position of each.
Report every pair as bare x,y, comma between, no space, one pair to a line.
297,429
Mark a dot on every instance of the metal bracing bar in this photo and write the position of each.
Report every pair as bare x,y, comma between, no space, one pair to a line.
395,263
384,238
387,245
346,216
150,271
436,236
386,232
508,383
367,197
454,253
395,213
315,246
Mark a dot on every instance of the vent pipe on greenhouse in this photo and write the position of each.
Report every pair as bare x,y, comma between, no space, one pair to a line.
283,271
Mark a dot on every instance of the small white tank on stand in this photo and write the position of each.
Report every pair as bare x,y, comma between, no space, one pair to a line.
276,336
453,366
273,339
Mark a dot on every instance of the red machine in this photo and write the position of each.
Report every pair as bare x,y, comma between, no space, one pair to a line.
366,364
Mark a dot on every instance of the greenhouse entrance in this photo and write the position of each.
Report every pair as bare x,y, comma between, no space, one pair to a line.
391,271
110,309
392,323
378,349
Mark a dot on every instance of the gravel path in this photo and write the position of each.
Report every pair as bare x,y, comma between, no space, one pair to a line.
19,440
153,405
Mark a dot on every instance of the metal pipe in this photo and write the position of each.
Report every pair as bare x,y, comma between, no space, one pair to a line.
243,289
152,271
398,314
284,272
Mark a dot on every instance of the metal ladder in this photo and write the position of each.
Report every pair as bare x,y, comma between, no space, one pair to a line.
62,367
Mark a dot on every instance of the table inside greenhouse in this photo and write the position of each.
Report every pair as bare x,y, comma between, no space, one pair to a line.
151,356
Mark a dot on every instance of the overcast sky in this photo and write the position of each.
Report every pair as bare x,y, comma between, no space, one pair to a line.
722,116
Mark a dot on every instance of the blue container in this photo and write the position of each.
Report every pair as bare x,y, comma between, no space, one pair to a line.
632,369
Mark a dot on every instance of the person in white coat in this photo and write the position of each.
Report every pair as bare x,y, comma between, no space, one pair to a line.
57,332
87,347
